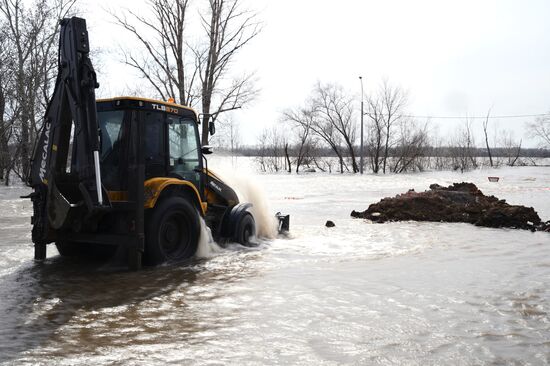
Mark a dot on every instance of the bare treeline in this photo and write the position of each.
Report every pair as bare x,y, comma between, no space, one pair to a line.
322,134
28,67
328,121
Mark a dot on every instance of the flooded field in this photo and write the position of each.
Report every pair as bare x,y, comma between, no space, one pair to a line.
359,293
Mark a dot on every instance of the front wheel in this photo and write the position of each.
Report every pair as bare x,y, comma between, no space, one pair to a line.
172,232
245,230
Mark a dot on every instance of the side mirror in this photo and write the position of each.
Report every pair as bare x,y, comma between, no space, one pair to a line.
206,149
211,128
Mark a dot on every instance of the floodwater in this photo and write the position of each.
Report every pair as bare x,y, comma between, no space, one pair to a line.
359,293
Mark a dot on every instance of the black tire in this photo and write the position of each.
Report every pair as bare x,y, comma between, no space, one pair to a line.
85,250
245,230
172,233
39,251
134,259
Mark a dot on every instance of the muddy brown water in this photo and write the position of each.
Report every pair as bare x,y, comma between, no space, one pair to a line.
358,293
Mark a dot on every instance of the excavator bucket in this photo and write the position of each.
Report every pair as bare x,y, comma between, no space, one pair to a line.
284,223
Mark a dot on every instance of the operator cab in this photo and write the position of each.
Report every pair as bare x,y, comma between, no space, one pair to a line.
170,143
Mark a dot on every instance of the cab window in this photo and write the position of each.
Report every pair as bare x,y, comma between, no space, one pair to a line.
183,148
112,154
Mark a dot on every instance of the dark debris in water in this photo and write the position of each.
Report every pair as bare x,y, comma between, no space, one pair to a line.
460,202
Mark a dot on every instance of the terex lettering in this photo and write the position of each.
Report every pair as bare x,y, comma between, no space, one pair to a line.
43,162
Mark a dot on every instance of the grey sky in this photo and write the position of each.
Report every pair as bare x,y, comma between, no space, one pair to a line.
454,57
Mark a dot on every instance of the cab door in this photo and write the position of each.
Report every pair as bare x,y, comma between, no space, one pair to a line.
184,155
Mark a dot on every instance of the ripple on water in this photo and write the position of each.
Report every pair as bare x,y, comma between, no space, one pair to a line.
359,293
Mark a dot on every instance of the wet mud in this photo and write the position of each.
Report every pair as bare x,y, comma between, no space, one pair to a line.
460,202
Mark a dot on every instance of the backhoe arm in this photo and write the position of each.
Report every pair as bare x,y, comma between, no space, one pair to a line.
61,184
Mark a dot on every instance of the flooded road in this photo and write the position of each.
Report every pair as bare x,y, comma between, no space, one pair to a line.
359,293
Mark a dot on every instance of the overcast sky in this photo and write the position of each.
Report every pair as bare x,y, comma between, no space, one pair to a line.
454,58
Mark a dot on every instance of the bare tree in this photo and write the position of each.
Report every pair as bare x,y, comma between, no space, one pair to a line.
411,145
228,29
463,146
271,143
384,111
541,129
328,134
393,100
162,59
9,106
32,35
376,131
301,121
195,74
334,112
328,117
262,150
317,119
510,147
5,85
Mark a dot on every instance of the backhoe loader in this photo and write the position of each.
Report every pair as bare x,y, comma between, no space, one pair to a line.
126,172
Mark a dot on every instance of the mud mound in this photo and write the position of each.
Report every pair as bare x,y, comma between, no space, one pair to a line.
460,202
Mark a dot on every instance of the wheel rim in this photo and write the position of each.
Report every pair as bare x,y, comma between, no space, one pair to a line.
173,236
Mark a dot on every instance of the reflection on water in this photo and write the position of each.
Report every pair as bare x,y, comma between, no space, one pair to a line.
63,307
398,293
39,300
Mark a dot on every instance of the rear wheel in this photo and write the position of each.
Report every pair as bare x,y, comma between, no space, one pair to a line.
245,230
172,232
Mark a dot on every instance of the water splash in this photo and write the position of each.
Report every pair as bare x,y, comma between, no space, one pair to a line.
248,190
207,248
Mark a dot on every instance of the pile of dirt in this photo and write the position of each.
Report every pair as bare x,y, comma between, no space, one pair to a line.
460,202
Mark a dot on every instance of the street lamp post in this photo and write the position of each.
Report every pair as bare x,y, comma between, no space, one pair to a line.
361,152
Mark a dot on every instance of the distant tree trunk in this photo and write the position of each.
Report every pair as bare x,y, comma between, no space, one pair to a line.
3,133
485,124
288,158
6,78
386,148
338,155
341,161
301,119
518,152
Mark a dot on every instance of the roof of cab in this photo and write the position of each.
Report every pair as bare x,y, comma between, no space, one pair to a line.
147,100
